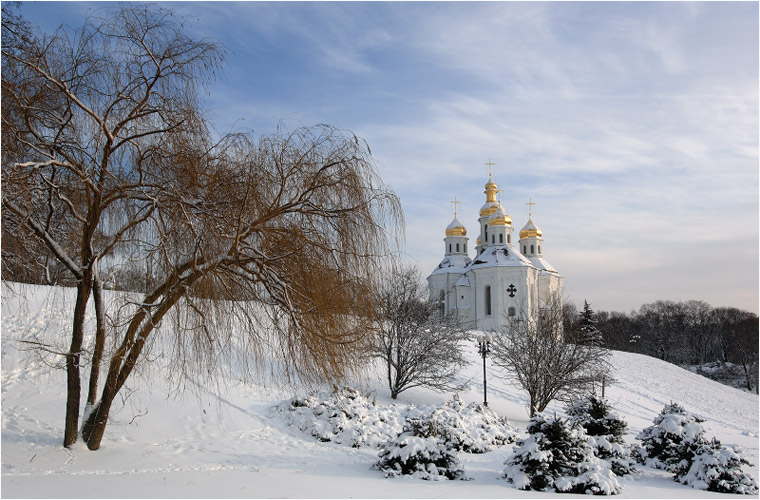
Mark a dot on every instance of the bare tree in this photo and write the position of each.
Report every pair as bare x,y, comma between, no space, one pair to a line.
546,362
416,345
114,164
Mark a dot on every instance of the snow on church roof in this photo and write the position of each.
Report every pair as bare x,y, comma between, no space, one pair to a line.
452,264
501,256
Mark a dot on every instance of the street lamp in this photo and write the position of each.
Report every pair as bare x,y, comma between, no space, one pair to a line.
484,348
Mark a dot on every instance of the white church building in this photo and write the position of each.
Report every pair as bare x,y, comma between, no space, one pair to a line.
505,281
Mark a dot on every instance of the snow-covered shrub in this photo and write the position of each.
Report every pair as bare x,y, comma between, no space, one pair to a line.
421,451
345,417
348,417
472,428
556,456
672,441
677,443
719,468
605,430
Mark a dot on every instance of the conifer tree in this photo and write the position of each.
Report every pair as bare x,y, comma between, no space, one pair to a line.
606,431
556,456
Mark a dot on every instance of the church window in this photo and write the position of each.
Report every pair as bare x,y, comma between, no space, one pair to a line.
488,300
486,239
501,238
442,306
449,247
531,249
465,247
493,238
525,250
511,311
457,247
509,238
539,248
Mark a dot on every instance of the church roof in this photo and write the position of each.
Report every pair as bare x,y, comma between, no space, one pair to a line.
541,263
456,264
500,256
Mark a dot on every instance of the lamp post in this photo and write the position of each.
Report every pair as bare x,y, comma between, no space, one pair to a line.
484,348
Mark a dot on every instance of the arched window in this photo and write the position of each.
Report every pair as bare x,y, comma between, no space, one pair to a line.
525,250
531,249
488,301
486,239
442,304
457,247
465,247
449,247
511,311
509,238
493,238
501,238
539,248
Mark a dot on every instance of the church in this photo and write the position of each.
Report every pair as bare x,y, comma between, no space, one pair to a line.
504,282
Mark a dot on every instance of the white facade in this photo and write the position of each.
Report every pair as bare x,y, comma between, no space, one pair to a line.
504,282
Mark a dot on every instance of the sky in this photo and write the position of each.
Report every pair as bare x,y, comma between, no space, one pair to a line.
632,126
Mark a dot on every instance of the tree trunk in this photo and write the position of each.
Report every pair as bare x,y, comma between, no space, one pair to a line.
73,382
100,338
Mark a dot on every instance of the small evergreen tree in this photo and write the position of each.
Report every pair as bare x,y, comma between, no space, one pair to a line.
556,456
719,468
676,442
672,441
606,431
589,333
422,451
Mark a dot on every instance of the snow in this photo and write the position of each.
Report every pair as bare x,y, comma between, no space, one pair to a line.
234,443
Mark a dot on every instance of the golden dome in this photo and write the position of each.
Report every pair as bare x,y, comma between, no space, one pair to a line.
491,190
456,228
488,208
499,218
531,230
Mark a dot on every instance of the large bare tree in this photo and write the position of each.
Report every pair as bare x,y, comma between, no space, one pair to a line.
546,361
113,164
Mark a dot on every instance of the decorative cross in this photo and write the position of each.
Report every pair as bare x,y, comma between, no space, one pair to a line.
490,165
511,289
530,207
455,203
499,191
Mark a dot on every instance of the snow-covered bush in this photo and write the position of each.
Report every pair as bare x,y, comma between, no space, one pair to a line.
421,451
672,441
345,417
605,430
348,417
556,456
677,443
472,428
719,468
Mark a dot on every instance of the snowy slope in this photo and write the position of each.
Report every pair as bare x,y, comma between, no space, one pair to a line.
232,443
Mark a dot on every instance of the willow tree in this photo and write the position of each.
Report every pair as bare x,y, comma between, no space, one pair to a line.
113,164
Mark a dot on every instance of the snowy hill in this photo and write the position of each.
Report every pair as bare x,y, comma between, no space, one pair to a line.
232,443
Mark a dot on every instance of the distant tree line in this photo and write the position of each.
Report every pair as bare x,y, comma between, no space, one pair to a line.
685,333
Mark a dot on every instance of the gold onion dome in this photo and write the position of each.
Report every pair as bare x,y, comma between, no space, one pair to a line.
488,208
499,217
456,228
530,230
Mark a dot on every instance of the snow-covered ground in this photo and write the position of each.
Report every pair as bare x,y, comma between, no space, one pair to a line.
233,443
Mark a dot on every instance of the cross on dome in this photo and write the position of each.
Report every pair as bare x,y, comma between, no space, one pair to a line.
530,207
455,203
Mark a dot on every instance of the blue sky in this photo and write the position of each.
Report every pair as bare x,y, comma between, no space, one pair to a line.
633,126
